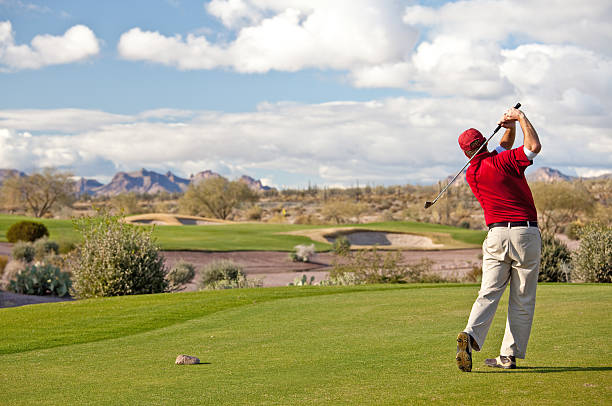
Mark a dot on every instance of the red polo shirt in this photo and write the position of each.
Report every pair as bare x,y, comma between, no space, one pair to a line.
498,182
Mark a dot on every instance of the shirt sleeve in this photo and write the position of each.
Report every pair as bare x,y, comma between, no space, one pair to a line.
499,149
529,154
513,162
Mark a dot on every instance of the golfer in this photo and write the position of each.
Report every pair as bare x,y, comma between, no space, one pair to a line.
511,251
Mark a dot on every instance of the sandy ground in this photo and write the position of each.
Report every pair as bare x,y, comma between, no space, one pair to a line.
367,239
277,269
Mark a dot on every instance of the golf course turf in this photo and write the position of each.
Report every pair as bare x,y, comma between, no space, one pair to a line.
257,236
391,344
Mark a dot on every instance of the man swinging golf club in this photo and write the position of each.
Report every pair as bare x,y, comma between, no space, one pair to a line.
511,251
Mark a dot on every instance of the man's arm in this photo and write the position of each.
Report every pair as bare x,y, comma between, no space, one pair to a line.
507,141
530,136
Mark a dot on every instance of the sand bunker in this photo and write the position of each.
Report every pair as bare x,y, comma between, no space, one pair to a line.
369,238
360,238
164,219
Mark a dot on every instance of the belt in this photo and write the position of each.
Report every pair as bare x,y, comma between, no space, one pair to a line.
510,224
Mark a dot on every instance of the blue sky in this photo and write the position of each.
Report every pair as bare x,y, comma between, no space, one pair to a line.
112,84
293,91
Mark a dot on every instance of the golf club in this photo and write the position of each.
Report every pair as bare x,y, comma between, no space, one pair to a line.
429,204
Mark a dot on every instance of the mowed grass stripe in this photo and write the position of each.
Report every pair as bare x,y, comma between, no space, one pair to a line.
51,325
374,347
257,236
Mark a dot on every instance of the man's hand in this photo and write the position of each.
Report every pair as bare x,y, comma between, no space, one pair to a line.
530,136
510,117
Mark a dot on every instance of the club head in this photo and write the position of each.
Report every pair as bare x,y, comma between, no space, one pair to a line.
428,204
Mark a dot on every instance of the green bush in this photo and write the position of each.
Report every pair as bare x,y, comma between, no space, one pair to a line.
592,262
23,251
220,270
26,231
341,246
3,261
43,247
554,260
41,280
181,273
115,259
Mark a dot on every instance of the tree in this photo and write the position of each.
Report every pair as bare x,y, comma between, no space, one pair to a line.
342,211
215,197
559,203
125,203
39,192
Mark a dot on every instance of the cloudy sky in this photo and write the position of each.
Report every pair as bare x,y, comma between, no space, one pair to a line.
292,91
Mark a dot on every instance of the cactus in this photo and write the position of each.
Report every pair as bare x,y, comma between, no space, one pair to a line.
41,280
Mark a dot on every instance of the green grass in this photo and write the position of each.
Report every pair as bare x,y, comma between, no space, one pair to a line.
373,345
256,237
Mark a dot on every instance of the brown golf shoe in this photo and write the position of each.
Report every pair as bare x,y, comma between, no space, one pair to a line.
464,352
501,361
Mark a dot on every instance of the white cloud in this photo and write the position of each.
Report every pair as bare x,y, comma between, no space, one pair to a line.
395,140
469,47
76,44
282,35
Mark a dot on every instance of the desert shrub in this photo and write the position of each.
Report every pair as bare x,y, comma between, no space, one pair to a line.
41,280
341,279
341,246
10,272
306,219
115,259
226,274
66,247
302,253
592,262
464,224
254,213
573,230
554,255
3,261
303,281
373,266
43,247
23,251
26,231
474,275
239,283
181,273
220,270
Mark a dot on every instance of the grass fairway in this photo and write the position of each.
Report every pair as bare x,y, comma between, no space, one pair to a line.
257,236
371,345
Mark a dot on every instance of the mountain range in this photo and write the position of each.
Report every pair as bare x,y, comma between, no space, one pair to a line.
542,174
145,181
142,181
150,182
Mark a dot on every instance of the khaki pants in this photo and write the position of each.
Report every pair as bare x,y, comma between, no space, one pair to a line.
510,255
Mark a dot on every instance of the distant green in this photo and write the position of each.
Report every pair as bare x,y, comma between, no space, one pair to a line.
368,345
256,236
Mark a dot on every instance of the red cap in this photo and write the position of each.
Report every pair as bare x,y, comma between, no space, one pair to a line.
470,139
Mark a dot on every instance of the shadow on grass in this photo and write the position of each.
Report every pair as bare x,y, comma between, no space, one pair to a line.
543,370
